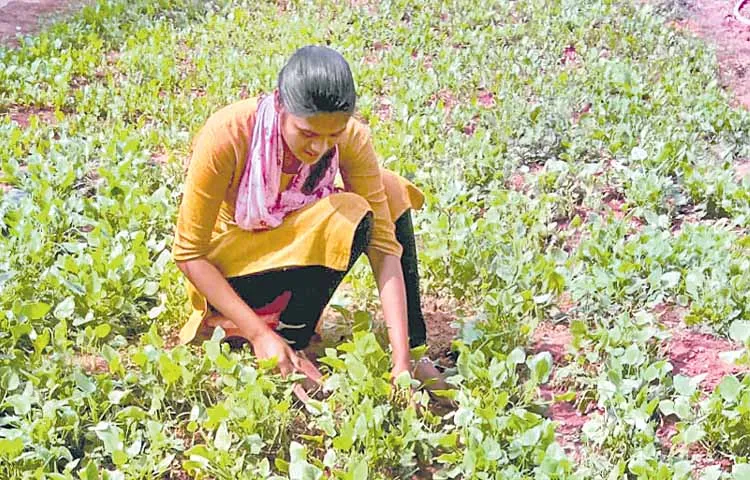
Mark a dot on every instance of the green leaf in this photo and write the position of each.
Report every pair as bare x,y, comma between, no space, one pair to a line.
359,470
692,434
638,154
36,311
119,458
633,355
281,465
169,370
362,321
216,414
84,383
345,439
741,471
739,331
449,440
223,439
670,279
729,388
540,366
110,435
21,404
102,330
683,385
10,449
666,407
213,349
712,472
9,380
517,356
65,309
91,472
299,468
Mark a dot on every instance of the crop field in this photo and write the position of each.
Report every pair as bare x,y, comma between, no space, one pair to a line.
586,225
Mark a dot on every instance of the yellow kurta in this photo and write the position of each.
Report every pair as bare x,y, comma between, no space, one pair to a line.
319,234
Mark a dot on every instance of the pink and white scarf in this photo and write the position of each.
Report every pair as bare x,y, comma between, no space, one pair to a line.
259,205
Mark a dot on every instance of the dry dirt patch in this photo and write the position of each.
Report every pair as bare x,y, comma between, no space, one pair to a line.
714,21
25,16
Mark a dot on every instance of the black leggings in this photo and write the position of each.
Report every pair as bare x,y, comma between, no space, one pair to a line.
312,287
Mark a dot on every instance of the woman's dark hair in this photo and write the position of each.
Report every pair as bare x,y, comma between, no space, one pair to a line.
316,80
317,172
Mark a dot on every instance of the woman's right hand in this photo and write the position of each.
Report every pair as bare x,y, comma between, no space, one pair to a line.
269,344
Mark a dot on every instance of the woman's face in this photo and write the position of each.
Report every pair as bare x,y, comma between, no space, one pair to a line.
308,138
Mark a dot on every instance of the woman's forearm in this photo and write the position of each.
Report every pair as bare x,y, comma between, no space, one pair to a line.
390,280
211,283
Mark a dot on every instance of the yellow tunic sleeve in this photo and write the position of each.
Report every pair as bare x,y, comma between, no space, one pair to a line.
361,175
212,167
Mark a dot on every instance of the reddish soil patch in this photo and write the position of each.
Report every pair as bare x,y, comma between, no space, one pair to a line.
585,109
471,127
555,339
569,421
572,236
446,98
694,353
439,314
162,157
22,115
371,5
177,473
742,169
91,364
384,109
714,21
23,16
517,182
552,338
427,59
486,98
569,55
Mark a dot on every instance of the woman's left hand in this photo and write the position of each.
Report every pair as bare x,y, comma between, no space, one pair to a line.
399,367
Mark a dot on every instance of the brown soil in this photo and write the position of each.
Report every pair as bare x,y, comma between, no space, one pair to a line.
552,338
742,169
694,353
26,16
384,109
556,339
91,364
332,329
714,21
485,98
439,314
22,115
569,421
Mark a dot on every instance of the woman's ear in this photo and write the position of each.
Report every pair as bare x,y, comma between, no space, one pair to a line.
277,100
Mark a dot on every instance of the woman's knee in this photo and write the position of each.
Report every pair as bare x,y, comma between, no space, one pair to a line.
361,238
348,199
